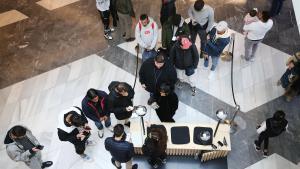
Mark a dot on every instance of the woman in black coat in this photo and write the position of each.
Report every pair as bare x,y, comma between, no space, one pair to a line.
166,103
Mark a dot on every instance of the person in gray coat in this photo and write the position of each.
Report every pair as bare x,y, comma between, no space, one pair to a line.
21,145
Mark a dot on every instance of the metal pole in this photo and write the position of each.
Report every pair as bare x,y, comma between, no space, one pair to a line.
217,128
143,124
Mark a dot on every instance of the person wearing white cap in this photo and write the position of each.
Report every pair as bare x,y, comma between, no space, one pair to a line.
219,38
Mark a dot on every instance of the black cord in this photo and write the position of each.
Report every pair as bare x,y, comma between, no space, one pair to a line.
232,91
137,64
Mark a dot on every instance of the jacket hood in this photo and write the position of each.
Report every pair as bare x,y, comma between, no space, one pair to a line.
225,35
7,139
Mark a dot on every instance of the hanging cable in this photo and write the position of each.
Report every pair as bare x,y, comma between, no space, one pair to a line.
137,49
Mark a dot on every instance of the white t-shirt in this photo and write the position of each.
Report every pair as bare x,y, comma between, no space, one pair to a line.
102,5
257,30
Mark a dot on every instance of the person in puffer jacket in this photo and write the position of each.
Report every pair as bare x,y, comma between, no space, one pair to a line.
120,101
146,34
21,145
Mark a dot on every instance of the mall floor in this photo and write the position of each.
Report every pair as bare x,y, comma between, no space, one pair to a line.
50,39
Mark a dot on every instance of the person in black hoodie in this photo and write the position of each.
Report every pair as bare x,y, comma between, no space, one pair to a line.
185,57
73,127
272,127
120,100
121,150
166,103
154,72
168,9
94,106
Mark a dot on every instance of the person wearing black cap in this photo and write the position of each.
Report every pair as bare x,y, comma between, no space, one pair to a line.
272,127
154,72
172,29
94,105
120,101
166,103
21,145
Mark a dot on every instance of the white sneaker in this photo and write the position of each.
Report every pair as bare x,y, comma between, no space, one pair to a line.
101,133
90,143
111,29
107,36
111,129
86,158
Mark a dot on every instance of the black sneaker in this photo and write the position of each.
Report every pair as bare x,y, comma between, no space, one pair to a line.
47,164
265,154
129,39
114,163
124,34
134,166
150,101
257,148
127,124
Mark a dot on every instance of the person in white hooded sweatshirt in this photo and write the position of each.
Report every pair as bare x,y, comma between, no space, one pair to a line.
103,8
146,34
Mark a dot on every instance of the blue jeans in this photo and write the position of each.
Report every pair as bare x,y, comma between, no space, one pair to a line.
107,123
147,54
215,61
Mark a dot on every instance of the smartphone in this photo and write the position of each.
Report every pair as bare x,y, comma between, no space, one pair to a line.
220,143
40,147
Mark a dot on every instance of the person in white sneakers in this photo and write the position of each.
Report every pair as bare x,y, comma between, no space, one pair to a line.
146,34
103,8
73,127
256,32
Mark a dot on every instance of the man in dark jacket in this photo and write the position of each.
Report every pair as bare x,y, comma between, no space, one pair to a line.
172,29
94,107
185,57
121,150
73,127
272,127
219,38
120,101
154,72
168,9
166,103
21,145
126,15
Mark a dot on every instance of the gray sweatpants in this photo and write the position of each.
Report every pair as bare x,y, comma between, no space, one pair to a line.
250,48
35,162
125,24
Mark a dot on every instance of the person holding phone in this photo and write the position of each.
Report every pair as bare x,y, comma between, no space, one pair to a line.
21,145
73,127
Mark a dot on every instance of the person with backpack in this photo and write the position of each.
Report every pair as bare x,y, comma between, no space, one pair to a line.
120,102
146,34
103,8
272,127
185,57
155,146
94,105
73,127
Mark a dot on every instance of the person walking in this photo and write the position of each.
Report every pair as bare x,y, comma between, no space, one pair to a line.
219,38
121,150
167,9
185,57
94,106
113,12
272,127
256,32
276,7
126,15
22,146
154,72
73,127
120,102
146,34
103,8
202,21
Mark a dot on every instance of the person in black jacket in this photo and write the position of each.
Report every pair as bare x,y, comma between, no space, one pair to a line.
168,9
272,127
73,127
121,150
120,100
185,57
94,105
166,103
154,72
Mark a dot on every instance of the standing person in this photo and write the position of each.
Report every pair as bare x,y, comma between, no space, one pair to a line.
146,33
202,20
167,9
219,38
94,107
174,27
272,127
121,150
103,8
154,72
21,145
250,17
113,11
185,57
256,33
73,127
126,15
276,7
166,103
120,101
155,146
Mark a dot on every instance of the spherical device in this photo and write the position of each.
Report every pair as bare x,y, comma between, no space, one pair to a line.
205,135
221,114
140,110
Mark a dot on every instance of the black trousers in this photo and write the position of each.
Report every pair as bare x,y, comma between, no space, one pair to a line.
264,137
105,19
157,159
165,116
79,145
